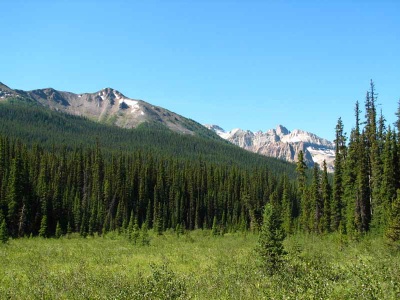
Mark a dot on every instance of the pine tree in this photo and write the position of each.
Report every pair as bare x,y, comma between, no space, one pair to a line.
270,242
58,231
3,231
326,194
287,208
157,218
43,227
388,185
338,185
350,184
214,229
316,201
144,235
393,230
133,229
15,193
374,163
397,123
304,202
135,234
69,230
130,226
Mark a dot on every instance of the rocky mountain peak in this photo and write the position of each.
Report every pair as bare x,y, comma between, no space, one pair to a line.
283,143
281,130
107,106
6,92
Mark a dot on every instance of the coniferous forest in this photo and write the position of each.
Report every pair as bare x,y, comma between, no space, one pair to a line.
90,188
64,176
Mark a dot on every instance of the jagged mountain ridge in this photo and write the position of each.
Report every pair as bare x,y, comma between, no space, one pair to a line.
107,106
282,143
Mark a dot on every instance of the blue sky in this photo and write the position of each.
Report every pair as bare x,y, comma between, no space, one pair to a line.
247,64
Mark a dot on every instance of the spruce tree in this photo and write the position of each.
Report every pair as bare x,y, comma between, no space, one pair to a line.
316,201
326,194
69,230
303,202
130,226
135,232
214,229
3,231
287,208
43,227
338,185
397,123
393,229
14,193
388,185
58,231
350,185
144,235
270,242
374,163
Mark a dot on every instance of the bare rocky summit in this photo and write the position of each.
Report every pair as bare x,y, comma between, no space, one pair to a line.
283,144
112,107
107,106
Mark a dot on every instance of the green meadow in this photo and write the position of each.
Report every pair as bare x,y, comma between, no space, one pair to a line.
197,265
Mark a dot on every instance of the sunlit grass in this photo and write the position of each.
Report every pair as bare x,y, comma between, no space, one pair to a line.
196,265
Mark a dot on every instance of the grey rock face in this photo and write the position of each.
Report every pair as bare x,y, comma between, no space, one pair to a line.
283,144
107,106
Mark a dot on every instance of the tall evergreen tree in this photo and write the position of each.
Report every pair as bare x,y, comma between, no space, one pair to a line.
393,229
316,201
338,186
304,201
15,193
287,208
372,149
43,227
326,194
270,242
58,233
3,231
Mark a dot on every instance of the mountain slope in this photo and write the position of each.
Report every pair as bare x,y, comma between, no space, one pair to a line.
107,106
35,124
282,144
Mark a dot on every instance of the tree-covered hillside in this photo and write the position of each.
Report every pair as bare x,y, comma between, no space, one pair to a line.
62,173
32,124
66,173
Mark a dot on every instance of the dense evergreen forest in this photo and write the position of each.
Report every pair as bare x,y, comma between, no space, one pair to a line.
62,173
364,194
33,124
111,179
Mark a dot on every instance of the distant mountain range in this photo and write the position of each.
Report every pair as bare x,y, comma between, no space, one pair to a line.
283,144
107,106
111,107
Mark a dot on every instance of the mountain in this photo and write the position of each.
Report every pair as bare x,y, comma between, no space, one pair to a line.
282,143
27,120
110,107
107,106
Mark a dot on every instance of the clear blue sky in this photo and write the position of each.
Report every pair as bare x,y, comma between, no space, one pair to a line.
247,64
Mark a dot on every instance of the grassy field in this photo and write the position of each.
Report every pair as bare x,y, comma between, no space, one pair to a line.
196,265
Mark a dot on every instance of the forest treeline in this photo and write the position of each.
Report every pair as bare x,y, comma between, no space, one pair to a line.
80,191
33,124
364,194
163,180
